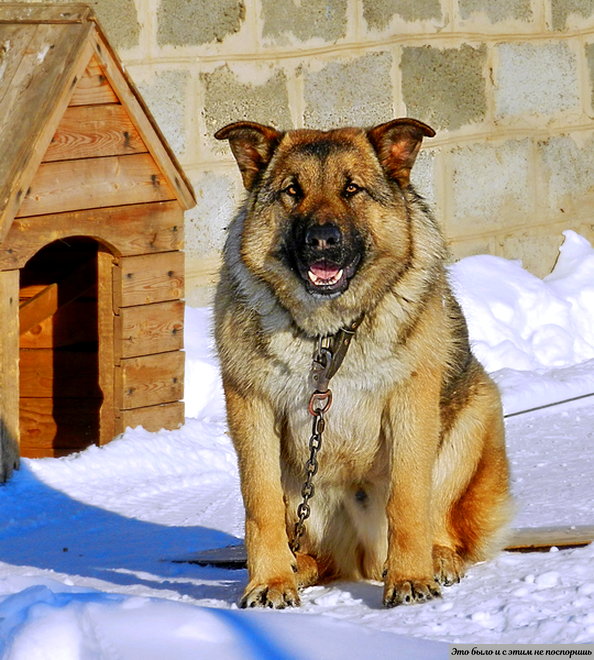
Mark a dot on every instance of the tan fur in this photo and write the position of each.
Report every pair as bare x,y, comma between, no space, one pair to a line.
413,478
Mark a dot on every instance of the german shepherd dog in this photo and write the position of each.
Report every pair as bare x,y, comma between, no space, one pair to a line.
412,485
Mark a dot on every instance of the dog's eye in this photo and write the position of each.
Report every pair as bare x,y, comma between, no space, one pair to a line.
351,189
292,190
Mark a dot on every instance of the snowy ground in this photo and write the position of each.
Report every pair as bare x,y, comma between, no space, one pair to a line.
86,541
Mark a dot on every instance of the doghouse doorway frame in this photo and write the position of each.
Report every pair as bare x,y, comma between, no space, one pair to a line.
102,425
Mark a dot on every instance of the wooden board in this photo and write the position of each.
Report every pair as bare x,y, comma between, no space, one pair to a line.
44,13
149,329
55,427
138,229
9,363
93,87
45,64
94,183
47,373
106,348
168,416
149,279
528,539
92,132
146,125
64,327
150,380
543,538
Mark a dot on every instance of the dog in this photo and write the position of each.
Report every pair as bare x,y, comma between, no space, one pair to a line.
412,485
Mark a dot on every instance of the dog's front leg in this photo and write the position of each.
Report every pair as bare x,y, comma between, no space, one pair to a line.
271,564
413,432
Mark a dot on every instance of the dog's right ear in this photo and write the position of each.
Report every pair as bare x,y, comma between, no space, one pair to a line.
252,145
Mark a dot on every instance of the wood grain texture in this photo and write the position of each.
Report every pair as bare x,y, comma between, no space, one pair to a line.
93,132
94,183
150,380
150,278
149,329
139,229
9,359
43,70
168,416
145,123
38,366
93,87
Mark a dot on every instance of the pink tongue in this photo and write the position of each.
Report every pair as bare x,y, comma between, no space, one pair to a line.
324,270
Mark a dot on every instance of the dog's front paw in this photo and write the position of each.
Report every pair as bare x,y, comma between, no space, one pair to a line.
448,566
276,594
407,592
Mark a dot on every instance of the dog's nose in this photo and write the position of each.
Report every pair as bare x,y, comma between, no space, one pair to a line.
323,236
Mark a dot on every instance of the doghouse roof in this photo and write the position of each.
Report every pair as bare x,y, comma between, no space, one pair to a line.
44,53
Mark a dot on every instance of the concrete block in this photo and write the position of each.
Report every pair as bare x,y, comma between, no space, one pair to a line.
535,78
422,177
568,174
461,247
195,22
166,97
227,98
444,87
379,13
490,186
355,92
305,20
538,251
590,62
561,10
496,11
216,202
119,20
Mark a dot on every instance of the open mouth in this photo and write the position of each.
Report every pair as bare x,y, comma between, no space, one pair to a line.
325,274
327,278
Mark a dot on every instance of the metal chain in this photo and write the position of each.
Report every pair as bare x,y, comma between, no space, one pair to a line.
311,466
319,403
326,361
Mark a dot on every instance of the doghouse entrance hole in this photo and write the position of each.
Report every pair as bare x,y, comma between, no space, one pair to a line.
60,397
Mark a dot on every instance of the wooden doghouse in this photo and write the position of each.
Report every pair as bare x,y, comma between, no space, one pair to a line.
91,230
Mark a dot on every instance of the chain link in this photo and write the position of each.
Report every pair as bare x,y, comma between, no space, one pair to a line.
327,359
311,466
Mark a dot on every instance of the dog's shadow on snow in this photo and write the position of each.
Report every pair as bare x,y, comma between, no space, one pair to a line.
45,528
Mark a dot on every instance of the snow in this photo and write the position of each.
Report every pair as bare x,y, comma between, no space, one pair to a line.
87,542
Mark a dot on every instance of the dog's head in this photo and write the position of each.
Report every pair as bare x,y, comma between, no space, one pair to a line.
326,213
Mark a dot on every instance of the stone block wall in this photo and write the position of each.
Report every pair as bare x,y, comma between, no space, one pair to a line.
507,84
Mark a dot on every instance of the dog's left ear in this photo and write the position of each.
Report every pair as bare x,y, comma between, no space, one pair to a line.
397,144
252,145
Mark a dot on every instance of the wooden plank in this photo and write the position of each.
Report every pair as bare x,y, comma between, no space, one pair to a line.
64,327
63,373
542,538
150,278
9,372
150,380
168,416
94,183
32,102
57,295
37,309
150,329
41,13
107,357
138,229
93,87
145,123
55,427
234,557
92,132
